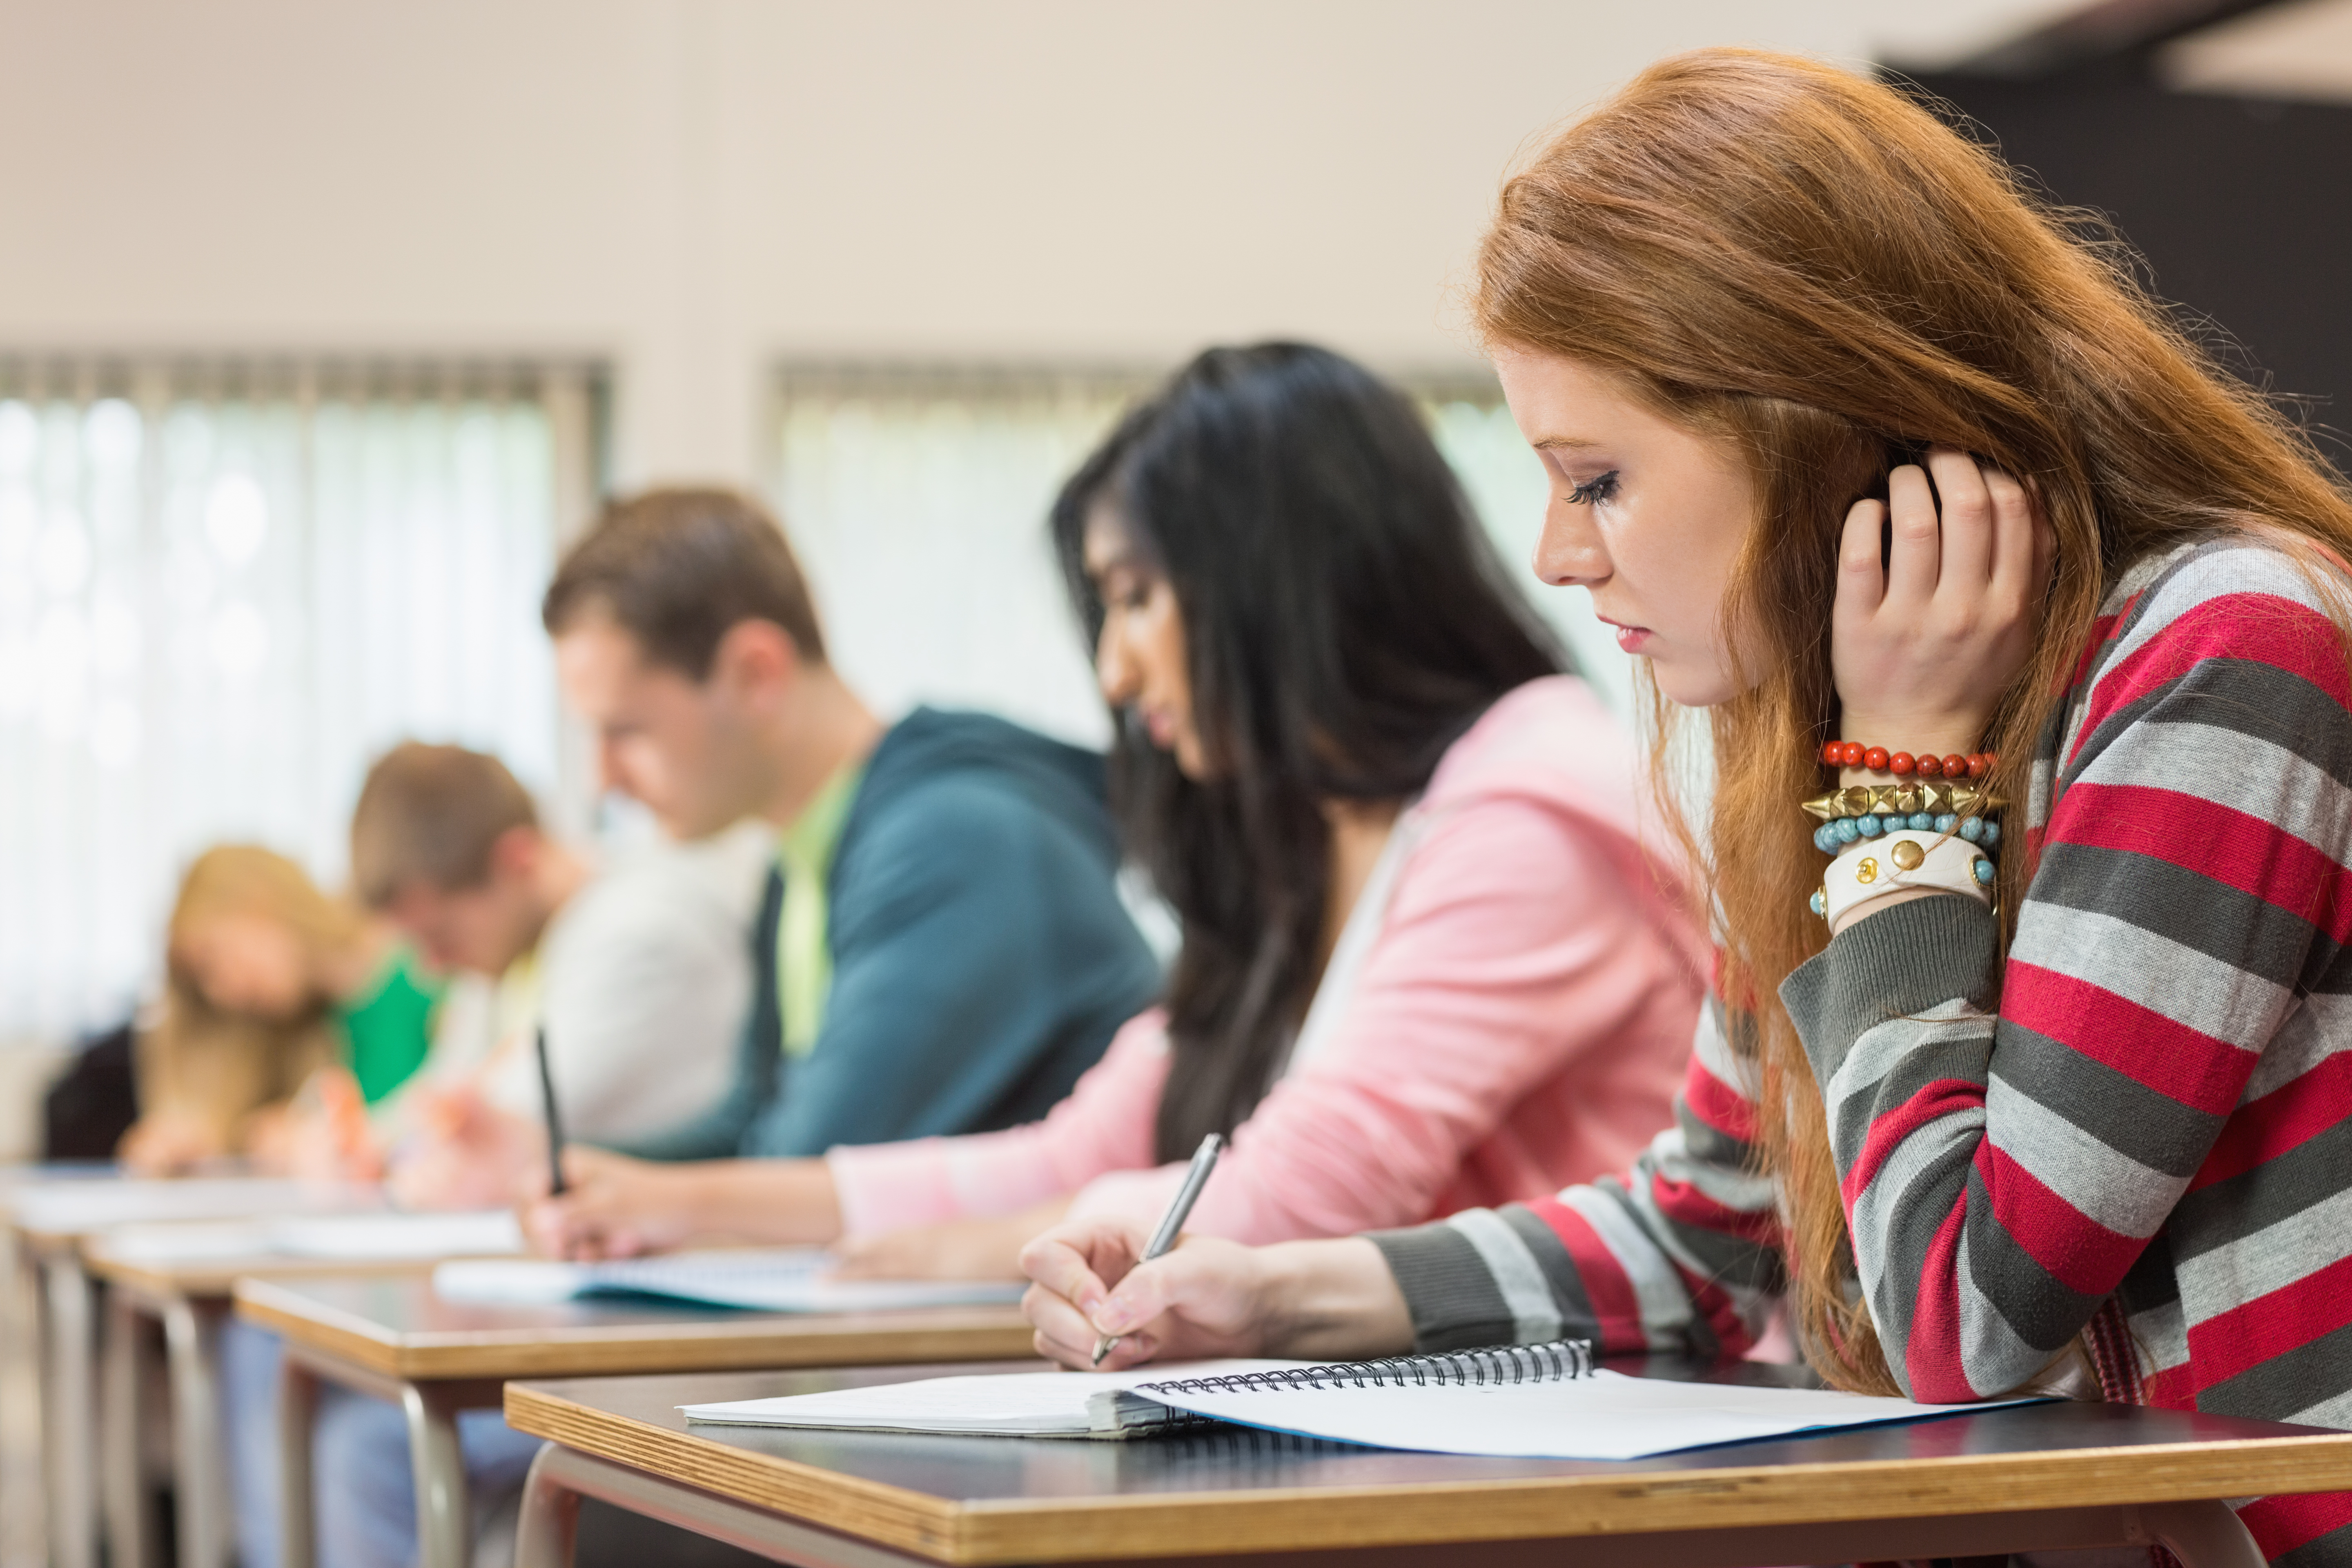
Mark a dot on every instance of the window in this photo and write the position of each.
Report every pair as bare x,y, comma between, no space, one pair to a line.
223,587
918,501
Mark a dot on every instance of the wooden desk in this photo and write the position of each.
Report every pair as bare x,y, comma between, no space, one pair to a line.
392,1337
2045,1475
186,1298
50,1220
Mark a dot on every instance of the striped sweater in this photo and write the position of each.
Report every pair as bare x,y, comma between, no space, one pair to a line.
2147,1149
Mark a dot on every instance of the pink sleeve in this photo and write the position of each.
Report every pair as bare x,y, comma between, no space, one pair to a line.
1513,946
1105,1124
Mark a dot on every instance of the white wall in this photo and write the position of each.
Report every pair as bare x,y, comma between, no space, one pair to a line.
692,188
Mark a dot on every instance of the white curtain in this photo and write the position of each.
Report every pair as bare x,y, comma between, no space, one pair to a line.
918,502
223,590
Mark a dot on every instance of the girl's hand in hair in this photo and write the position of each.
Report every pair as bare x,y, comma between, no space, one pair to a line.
1207,1298
1924,644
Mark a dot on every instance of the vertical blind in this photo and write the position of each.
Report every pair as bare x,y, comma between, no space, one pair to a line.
224,589
918,501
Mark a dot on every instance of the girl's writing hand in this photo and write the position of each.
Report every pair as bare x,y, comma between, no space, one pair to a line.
1923,647
1200,1300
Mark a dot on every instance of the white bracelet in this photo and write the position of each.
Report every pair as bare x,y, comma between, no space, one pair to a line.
1873,867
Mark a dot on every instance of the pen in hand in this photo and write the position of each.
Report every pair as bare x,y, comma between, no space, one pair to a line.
554,1122
1171,1223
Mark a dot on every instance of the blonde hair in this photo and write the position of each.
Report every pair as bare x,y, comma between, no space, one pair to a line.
204,1063
1810,266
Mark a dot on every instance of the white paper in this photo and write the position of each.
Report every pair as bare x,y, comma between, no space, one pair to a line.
80,1206
1606,1415
187,1241
789,1280
404,1237
354,1237
1021,1404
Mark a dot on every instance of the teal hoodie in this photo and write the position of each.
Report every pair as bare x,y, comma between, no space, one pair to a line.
981,956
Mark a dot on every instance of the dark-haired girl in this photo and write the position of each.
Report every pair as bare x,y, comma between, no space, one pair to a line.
2020,632
1428,962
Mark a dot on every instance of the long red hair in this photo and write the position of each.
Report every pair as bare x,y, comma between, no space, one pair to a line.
1807,264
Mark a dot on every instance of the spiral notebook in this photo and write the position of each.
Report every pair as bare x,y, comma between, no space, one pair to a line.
1518,1402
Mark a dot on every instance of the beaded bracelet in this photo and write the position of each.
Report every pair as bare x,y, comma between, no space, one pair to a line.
1832,837
1903,764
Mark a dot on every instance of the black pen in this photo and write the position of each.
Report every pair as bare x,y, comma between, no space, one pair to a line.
1171,1223
554,1122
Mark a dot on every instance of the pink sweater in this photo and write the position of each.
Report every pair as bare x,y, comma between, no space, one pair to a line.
1507,1014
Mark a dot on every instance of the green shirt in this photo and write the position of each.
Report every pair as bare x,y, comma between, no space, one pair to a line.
388,1028
804,943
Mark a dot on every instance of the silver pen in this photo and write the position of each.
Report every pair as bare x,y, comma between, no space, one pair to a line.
1171,1223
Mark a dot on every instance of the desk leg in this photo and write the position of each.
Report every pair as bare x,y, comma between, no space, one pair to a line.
560,1477
68,1423
197,1437
444,1531
297,1408
2203,1534
130,1536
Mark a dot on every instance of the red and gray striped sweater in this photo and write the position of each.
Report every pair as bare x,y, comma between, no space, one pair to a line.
2149,1147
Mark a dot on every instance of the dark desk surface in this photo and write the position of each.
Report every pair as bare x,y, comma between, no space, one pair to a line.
393,1324
1003,1500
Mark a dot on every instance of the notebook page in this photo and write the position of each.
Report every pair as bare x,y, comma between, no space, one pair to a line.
1606,1415
1037,1404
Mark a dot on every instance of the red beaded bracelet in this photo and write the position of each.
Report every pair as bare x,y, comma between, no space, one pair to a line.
1903,764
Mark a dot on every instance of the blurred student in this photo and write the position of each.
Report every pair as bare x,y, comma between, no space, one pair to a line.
952,953
640,972
268,982
1427,961
952,949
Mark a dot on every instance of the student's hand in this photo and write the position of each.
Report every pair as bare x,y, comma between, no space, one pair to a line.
465,1153
1200,1300
168,1143
323,1134
1207,1298
959,1249
1923,647
612,1206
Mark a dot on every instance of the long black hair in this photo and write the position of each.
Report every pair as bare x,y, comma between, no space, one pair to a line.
1345,621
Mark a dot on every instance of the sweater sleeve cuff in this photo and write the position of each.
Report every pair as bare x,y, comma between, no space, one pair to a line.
1447,1288
1902,961
889,1187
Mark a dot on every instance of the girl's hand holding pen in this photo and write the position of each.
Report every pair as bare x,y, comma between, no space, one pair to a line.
1200,1300
1326,1300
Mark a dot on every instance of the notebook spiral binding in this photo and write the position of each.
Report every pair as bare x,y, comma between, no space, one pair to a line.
1552,1362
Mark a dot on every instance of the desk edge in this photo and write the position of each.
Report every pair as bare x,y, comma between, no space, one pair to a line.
1011,1531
